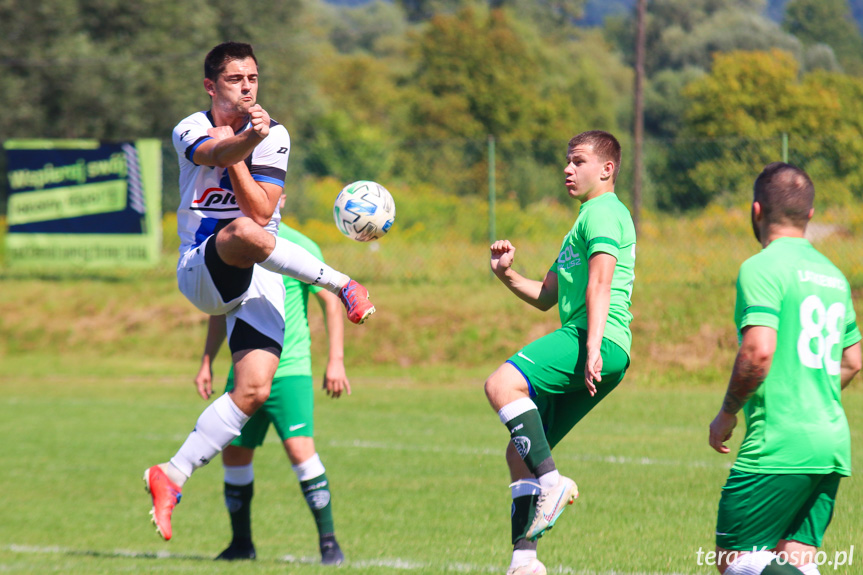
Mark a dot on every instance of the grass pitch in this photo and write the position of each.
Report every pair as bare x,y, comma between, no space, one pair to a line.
417,471
96,376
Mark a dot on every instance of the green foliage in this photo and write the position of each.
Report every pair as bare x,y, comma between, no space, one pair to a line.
346,150
827,22
750,99
367,27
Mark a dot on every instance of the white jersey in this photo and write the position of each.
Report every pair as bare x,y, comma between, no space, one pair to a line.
206,194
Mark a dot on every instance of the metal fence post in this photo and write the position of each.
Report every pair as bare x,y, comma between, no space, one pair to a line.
492,234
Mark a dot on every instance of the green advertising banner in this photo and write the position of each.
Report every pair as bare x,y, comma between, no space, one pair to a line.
83,203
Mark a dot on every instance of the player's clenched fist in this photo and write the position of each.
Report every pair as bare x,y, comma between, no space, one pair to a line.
260,121
502,254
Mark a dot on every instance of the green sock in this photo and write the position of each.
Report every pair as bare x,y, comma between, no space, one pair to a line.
317,494
523,509
775,568
238,500
528,436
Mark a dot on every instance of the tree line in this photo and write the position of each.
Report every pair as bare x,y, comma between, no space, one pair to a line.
411,91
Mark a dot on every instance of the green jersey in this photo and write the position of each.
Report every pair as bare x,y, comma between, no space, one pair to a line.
296,356
795,420
605,225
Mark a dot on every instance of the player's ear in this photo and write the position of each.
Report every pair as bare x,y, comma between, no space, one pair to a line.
757,211
607,170
209,86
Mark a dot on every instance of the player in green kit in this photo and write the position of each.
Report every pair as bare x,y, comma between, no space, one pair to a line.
542,391
799,347
289,409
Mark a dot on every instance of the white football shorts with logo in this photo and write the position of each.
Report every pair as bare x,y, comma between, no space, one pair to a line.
261,306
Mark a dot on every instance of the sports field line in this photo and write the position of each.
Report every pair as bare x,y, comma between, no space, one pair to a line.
391,563
386,446
617,459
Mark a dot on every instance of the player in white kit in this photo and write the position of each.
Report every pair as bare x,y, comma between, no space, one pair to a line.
233,159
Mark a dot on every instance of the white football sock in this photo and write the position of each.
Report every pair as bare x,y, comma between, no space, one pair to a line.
550,479
810,569
522,556
515,408
309,469
751,563
217,426
239,474
290,259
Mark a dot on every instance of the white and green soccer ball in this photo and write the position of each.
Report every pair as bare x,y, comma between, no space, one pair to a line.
364,211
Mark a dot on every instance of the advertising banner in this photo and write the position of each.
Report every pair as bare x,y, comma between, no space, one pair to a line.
83,203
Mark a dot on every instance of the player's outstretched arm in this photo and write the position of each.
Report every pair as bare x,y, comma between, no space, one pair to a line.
751,367
335,378
852,362
227,148
540,294
216,332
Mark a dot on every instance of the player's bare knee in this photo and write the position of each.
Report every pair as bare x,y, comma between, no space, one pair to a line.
244,231
490,387
261,395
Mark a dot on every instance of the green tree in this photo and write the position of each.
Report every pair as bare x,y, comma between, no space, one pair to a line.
476,74
827,22
734,121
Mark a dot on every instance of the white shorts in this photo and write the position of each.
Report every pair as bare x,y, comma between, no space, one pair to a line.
260,305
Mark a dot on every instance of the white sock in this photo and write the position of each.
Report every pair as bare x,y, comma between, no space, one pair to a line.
522,556
515,408
810,569
217,426
239,474
550,479
309,469
750,563
290,259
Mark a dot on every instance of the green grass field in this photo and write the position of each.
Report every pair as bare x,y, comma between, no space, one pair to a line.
418,478
96,371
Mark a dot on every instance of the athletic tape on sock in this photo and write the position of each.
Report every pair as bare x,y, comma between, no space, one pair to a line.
515,408
239,474
309,469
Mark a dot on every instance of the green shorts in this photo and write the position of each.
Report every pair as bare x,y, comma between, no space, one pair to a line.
289,408
758,510
553,366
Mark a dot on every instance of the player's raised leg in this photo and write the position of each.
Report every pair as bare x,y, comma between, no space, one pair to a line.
243,243
507,391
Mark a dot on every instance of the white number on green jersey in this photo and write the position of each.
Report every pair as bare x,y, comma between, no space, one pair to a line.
821,331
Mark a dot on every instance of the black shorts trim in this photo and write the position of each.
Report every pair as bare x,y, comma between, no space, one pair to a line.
244,337
232,282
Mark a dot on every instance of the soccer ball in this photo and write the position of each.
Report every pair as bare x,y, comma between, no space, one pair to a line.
364,211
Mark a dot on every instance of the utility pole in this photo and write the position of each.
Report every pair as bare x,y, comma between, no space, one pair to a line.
638,119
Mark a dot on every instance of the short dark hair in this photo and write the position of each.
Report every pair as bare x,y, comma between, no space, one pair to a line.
604,145
217,59
786,194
